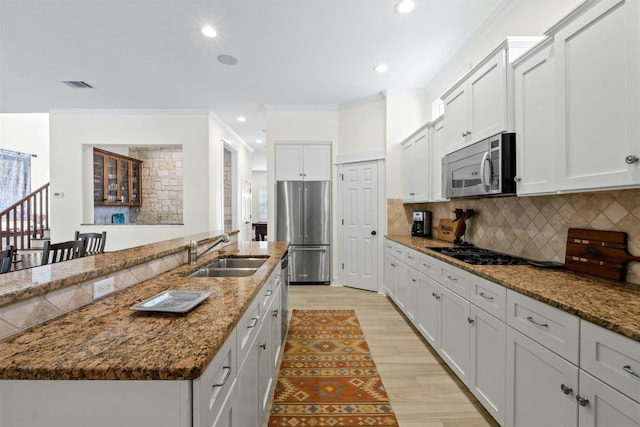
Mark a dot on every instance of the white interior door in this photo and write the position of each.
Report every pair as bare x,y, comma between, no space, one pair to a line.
360,225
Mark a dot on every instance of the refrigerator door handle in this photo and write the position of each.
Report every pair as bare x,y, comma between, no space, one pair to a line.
306,203
300,213
310,248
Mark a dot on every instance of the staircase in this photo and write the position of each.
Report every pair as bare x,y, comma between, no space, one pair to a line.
25,224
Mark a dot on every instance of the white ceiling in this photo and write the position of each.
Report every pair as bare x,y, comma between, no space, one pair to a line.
149,54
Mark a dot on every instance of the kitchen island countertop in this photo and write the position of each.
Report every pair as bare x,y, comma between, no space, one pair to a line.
106,340
612,305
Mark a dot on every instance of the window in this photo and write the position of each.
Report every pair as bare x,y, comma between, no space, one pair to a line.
263,203
15,177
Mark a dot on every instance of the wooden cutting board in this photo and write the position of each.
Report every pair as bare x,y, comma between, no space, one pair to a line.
600,253
447,229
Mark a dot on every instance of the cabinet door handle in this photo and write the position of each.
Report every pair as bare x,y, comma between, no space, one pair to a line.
485,297
436,296
263,345
226,377
582,401
631,159
544,325
254,322
275,313
393,265
269,293
453,279
413,280
470,320
627,368
566,389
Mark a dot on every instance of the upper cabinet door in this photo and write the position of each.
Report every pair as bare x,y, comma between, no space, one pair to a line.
416,167
535,99
457,115
598,82
488,90
303,162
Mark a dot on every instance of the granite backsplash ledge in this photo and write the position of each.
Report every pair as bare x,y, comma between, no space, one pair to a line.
534,227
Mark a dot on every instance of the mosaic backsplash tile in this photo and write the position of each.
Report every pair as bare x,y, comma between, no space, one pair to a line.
534,227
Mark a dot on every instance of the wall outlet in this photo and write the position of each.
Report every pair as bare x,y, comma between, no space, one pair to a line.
103,287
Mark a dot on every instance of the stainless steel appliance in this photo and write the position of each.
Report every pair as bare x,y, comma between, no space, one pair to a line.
473,255
485,168
284,295
421,225
303,212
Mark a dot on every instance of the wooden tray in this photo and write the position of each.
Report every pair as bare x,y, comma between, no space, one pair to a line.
447,229
600,253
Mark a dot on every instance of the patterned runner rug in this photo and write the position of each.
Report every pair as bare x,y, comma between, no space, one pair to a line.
327,376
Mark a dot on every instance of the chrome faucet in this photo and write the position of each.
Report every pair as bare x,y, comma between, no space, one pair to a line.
193,248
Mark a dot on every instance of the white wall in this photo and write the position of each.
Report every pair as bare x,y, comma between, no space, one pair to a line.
361,127
28,133
71,131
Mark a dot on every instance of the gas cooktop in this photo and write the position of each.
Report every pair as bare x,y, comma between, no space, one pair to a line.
479,256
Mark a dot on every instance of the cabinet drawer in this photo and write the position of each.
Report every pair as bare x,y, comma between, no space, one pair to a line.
395,249
411,257
429,266
611,357
454,279
489,296
553,328
212,388
247,328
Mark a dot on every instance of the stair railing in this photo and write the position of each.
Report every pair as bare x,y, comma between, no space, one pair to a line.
26,219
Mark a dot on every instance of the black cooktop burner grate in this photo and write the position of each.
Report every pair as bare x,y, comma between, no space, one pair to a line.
479,256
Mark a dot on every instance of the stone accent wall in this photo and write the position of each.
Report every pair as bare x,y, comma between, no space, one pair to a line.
534,227
162,185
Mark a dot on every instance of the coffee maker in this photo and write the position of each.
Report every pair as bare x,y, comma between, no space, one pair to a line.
421,225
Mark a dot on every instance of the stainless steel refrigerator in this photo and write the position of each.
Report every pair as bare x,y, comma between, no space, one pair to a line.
303,212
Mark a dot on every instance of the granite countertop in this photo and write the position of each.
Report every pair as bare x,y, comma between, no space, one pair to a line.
20,285
106,340
612,305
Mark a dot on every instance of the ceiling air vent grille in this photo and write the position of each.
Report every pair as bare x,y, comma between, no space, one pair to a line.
78,84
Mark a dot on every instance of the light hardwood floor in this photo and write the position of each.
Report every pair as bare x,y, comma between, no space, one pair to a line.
422,389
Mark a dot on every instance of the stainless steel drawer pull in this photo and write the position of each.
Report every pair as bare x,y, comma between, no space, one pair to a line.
263,345
627,368
544,325
566,389
393,265
426,265
582,401
485,297
226,377
453,279
254,322
436,296
470,320
269,293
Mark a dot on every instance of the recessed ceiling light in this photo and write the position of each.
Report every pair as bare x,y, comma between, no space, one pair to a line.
380,68
227,59
242,119
208,31
258,141
405,6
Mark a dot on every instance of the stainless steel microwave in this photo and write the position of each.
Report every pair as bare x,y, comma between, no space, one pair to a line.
484,168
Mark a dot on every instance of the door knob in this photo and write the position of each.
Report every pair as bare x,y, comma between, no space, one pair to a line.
631,159
373,233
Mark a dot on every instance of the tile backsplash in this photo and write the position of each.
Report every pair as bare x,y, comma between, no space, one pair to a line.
534,227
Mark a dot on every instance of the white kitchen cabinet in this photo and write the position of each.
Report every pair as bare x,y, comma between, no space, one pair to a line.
541,386
276,329
437,152
416,167
602,406
453,345
428,310
480,104
598,82
410,304
487,356
393,270
536,128
248,390
309,162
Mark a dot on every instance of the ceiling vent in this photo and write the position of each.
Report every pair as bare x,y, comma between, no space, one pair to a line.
78,84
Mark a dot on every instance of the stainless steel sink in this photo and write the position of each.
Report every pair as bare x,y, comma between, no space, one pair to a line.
223,272
233,262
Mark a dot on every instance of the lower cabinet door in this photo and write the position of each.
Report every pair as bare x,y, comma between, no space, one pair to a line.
602,406
265,366
487,357
454,332
541,386
246,410
225,416
428,309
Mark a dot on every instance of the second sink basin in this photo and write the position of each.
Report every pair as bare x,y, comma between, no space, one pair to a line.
233,262
223,272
